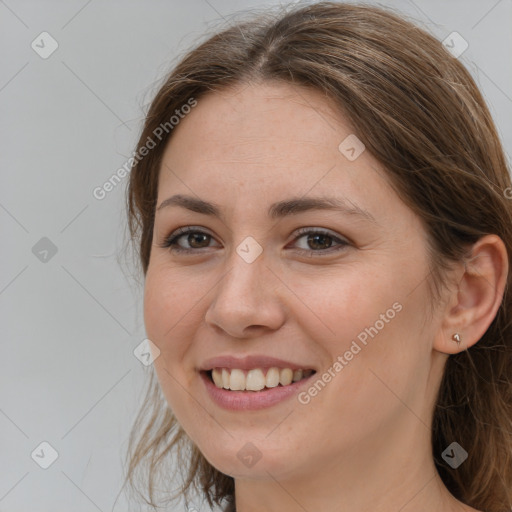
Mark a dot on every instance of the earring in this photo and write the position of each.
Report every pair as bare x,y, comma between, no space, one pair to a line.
456,337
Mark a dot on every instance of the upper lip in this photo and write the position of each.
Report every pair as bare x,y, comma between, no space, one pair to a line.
249,362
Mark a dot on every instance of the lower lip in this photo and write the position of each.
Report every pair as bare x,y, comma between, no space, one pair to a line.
251,400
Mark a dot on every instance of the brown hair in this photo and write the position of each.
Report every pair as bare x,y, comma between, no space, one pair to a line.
420,114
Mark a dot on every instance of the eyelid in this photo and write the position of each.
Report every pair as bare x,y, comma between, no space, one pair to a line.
325,231
170,241
184,230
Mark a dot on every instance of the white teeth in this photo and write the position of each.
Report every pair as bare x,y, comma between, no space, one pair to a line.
225,378
217,378
255,379
237,380
272,379
286,376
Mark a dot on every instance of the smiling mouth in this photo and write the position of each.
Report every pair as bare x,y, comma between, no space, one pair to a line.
256,379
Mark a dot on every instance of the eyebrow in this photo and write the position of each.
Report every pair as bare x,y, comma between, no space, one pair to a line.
292,206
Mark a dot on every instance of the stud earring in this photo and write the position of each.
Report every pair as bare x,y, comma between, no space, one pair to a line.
456,337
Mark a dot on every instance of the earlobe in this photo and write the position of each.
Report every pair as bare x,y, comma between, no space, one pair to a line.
473,305
456,337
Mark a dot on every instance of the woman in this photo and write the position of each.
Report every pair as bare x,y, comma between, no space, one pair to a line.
321,210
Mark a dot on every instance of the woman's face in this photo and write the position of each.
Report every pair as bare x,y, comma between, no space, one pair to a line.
347,300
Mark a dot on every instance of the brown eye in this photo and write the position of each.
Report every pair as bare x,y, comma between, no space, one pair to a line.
195,239
320,242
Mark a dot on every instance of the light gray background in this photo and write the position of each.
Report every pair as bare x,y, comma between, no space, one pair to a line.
70,325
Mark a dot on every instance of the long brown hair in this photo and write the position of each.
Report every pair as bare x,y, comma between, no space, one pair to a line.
420,114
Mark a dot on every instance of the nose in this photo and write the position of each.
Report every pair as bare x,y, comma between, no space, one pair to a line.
245,303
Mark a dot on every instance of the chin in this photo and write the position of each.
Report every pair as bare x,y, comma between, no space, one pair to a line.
252,460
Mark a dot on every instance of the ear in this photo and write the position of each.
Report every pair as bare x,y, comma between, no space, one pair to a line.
472,305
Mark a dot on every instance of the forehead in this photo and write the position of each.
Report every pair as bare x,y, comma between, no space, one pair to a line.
259,123
256,144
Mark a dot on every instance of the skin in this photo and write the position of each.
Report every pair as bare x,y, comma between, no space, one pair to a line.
363,442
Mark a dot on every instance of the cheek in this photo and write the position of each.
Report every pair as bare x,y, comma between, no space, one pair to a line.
173,311
369,322
167,326
337,307
165,302
167,315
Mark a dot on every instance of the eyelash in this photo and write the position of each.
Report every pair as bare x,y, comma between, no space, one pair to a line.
170,242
